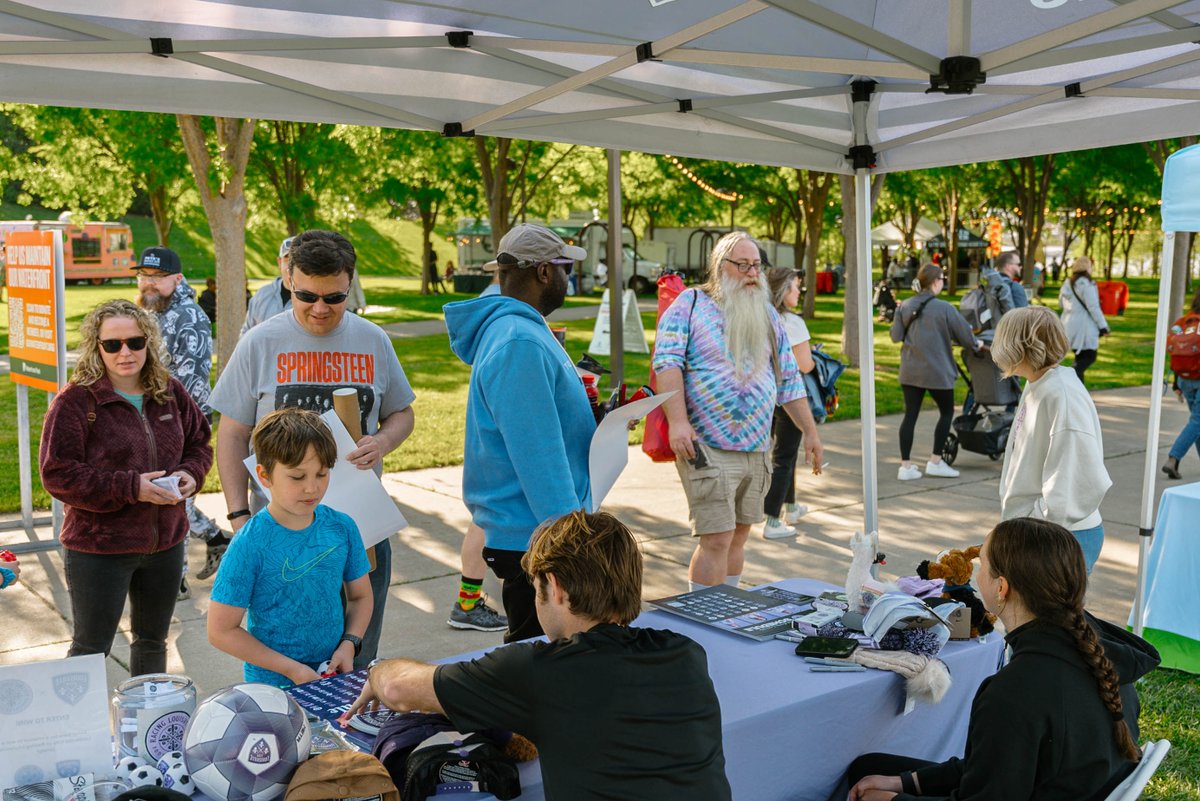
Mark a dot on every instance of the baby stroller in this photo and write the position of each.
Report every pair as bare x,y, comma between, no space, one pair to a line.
986,419
885,301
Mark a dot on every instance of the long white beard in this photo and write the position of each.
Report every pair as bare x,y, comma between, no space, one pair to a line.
747,325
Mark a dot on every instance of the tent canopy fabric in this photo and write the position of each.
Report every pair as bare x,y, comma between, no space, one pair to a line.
765,81
1181,191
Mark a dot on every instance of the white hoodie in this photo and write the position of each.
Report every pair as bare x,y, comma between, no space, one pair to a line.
1054,462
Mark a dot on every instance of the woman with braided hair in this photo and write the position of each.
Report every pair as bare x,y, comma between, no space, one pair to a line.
1048,725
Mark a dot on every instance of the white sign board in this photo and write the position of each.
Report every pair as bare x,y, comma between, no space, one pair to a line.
355,492
609,451
54,720
633,337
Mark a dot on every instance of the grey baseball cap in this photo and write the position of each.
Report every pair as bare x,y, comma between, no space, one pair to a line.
528,244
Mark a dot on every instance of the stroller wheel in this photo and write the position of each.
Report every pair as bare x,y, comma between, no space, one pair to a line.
950,450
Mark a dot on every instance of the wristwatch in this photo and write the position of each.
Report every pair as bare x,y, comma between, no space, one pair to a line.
355,641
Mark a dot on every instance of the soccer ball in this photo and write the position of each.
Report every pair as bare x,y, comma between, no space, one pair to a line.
245,742
167,760
128,765
178,779
145,776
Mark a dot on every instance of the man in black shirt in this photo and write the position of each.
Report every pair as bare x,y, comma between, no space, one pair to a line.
615,711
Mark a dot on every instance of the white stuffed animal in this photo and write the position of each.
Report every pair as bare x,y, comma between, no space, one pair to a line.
863,547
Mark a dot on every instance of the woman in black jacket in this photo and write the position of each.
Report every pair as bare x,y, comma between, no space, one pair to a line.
1050,724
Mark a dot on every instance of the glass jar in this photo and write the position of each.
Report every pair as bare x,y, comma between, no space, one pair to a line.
149,714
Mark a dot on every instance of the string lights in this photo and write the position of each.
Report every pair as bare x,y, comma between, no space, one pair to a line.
728,197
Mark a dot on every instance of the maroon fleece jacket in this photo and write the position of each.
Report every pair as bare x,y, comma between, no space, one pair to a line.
96,470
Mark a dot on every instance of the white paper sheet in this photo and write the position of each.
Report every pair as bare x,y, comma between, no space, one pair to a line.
355,492
54,719
609,451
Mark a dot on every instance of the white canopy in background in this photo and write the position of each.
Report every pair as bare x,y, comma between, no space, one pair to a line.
890,234
785,82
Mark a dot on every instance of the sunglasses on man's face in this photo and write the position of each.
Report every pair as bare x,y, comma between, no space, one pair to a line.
114,345
332,299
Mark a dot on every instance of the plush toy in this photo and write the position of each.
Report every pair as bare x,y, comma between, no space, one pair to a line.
954,567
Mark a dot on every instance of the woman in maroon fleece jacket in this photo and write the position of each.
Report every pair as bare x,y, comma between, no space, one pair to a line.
121,423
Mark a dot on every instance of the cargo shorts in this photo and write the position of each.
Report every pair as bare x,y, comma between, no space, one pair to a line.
728,490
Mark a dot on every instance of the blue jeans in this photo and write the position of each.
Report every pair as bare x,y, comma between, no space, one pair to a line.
1091,540
1191,432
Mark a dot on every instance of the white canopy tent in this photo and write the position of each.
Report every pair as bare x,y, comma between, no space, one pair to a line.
890,234
847,86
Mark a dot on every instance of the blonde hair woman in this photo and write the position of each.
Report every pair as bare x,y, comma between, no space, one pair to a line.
121,423
1054,461
1079,299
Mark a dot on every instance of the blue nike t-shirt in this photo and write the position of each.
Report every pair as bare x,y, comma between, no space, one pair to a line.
290,584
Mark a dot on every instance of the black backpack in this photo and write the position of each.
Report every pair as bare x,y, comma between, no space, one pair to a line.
452,762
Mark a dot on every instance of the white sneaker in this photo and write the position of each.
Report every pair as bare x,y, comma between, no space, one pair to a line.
940,469
794,512
909,473
776,529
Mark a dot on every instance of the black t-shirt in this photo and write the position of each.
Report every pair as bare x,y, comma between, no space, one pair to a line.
616,712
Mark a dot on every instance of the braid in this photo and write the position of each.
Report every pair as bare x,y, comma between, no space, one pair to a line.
1106,677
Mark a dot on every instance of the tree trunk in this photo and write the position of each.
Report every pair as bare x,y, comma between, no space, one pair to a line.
160,212
495,185
850,344
221,183
1180,273
814,190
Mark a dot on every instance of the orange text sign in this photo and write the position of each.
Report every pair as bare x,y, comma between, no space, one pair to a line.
33,335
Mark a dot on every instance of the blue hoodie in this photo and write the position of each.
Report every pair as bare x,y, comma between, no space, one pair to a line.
529,423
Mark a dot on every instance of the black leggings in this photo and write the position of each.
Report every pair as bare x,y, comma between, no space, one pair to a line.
944,398
784,457
517,593
1083,360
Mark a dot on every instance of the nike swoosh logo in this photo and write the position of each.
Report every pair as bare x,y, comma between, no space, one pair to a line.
291,574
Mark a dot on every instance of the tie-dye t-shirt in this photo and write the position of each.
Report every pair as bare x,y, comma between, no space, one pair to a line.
290,583
726,413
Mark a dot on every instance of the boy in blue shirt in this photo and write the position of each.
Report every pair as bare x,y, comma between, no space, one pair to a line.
286,567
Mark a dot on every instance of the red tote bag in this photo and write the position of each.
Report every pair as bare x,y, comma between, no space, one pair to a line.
656,442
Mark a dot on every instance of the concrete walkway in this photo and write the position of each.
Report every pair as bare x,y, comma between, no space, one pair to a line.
917,518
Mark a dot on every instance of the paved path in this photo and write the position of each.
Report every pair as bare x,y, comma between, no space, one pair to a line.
917,518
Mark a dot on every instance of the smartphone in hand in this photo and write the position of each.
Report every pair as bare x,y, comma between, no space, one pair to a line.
701,457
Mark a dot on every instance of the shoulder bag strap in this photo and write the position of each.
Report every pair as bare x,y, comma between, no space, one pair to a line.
916,313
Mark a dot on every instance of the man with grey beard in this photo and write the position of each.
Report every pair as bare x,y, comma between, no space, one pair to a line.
723,348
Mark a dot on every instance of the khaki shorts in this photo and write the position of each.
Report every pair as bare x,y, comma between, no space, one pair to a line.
728,491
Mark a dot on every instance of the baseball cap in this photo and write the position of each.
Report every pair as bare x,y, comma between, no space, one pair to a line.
285,246
341,775
527,244
156,258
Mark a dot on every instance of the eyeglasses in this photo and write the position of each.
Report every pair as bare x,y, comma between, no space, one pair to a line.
332,299
746,266
114,345
144,276
509,260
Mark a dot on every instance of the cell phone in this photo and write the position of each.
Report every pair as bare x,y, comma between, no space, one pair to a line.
840,647
701,458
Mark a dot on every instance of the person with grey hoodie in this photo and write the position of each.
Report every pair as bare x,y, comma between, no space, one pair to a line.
927,328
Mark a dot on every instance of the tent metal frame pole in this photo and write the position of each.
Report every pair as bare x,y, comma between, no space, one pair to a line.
1146,520
616,272
866,349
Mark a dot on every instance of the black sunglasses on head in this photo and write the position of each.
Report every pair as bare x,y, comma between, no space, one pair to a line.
509,260
114,345
332,299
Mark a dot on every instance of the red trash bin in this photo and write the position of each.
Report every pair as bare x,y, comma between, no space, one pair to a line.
825,283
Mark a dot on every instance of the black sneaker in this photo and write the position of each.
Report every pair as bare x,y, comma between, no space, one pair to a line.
212,560
481,618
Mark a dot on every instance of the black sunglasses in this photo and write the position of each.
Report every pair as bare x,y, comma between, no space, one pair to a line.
332,299
509,260
114,345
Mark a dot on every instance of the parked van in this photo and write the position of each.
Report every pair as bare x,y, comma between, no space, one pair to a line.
94,251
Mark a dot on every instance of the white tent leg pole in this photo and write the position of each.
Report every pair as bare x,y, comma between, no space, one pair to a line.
1158,374
616,275
866,349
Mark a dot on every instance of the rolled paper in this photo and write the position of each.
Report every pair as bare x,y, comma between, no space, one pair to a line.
345,403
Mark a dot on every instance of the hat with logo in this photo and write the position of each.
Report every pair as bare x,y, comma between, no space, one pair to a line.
528,244
285,246
341,775
162,259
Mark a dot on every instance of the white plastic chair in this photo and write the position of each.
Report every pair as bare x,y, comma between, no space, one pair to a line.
1152,756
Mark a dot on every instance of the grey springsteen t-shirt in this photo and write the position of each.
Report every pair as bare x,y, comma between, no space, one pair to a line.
278,363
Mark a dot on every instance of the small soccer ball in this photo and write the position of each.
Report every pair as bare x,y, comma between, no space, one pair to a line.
177,778
145,776
167,760
127,765
245,742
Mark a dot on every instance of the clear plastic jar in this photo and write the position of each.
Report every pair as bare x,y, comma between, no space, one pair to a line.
149,714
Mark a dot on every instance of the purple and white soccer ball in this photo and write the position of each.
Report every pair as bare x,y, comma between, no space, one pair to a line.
169,759
177,778
245,742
